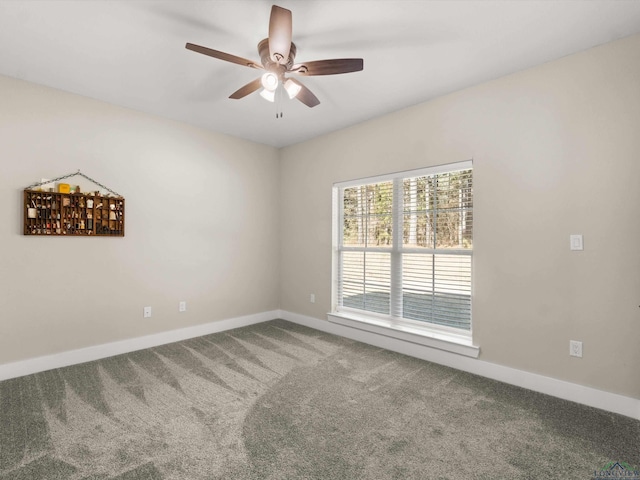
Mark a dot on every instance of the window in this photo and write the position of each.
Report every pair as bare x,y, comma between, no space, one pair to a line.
403,247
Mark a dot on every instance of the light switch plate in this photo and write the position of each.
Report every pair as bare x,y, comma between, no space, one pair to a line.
575,348
575,242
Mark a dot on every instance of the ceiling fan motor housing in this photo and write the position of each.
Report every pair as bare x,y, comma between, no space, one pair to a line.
270,65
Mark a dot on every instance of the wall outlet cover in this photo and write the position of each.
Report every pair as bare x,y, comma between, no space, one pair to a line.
575,348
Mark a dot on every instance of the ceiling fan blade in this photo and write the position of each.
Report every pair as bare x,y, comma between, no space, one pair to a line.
280,30
247,89
329,67
305,95
227,57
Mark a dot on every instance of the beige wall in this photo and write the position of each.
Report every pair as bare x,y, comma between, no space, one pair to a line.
555,152
201,225
554,149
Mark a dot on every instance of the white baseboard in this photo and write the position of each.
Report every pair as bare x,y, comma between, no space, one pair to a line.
558,388
592,397
73,357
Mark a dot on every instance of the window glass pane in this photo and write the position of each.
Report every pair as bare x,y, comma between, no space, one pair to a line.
438,211
437,289
417,286
452,207
418,219
367,215
351,282
366,280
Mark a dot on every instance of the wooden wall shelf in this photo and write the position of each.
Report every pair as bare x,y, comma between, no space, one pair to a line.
73,214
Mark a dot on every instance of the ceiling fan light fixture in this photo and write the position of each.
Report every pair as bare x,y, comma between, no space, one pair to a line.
292,88
270,81
269,95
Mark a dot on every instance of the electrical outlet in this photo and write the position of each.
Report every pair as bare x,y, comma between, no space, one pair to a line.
575,348
312,298
575,242
182,306
147,312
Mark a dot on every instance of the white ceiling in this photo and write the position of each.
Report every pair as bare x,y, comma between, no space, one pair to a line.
132,53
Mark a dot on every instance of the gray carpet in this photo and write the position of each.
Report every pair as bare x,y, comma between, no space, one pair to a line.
280,401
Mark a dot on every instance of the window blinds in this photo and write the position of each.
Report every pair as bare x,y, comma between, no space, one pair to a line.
405,246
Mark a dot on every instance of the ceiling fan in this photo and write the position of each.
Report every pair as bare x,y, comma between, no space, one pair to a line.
277,54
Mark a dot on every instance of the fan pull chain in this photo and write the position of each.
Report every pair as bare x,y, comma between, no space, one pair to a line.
278,101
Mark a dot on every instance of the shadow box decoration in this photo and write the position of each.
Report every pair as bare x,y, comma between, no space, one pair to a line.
57,208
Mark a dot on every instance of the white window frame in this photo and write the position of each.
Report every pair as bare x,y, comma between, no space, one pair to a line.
430,334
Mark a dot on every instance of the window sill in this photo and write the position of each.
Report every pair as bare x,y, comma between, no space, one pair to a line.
457,343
